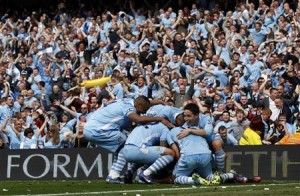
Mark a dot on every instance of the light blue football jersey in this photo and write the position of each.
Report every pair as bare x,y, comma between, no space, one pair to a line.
189,145
112,116
205,122
148,135
168,112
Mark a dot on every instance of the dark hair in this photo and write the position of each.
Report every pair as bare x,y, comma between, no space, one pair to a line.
257,105
192,107
223,64
240,42
283,32
221,128
273,89
142,99
259,23
64,114
253,53
226,112
236,53
42,83
8,98
76,92
280,85
27,131
257,125
208,102
277,124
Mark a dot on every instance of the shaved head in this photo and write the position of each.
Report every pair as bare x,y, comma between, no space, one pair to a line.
142,104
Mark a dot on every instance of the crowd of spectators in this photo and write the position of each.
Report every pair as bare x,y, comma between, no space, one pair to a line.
241,67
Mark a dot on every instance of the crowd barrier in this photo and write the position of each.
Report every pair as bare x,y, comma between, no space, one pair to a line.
268,162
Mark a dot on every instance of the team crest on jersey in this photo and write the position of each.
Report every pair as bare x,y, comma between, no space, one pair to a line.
151,113
130,110
120,139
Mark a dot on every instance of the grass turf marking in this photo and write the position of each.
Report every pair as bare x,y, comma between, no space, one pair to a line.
165,189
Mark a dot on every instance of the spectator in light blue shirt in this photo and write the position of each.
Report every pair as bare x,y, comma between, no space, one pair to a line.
138,15
167,20
117,88
253,69
258,33
7,109
228,139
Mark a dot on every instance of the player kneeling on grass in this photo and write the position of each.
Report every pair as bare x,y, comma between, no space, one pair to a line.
104,127
204,123
194,164
139,149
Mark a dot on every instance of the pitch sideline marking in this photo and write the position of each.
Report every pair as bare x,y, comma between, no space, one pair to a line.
164,189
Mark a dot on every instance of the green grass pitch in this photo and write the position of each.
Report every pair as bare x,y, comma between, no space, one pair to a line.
100,187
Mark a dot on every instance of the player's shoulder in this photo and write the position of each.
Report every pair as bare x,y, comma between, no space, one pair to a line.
126,101
204,117
176,130
158,106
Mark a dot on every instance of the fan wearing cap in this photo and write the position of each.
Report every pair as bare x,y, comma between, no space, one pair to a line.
58,64
25,70
24,74
146,56
22,81
152,39
145,45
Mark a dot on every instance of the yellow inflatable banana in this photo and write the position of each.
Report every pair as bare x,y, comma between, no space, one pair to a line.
96,82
